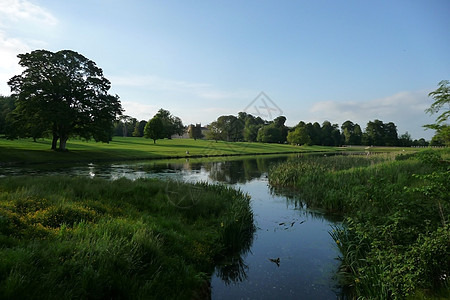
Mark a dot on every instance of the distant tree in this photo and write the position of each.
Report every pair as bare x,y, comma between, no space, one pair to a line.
390,134
351,133
139,128
63,94
251,126
269,134
299,136
6,107
195,131
214,132
279,123
405,140
172,124
316,134
251,132
358,134
441,102
154,129
331,136
422,143
375,133
227,128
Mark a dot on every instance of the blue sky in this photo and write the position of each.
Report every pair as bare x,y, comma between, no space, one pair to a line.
316,60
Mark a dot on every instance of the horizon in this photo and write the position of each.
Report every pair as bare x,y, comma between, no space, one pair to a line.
315,61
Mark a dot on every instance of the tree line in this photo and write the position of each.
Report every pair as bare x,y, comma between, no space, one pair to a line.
63,94
243,127
248,128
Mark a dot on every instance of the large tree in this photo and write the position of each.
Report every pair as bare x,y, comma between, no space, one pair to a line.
172,124
154,129
63,94
441,104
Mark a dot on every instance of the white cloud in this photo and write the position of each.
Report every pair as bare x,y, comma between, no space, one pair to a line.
405,109
9,48
19,10
19,14
138,110
183,88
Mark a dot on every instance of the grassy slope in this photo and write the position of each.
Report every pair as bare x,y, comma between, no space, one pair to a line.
27,151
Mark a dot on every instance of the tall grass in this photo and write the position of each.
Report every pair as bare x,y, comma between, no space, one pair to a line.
72,238
395,240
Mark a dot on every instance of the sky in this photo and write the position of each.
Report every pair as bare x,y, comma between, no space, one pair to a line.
310,61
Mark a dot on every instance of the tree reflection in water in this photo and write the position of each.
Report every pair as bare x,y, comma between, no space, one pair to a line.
233,270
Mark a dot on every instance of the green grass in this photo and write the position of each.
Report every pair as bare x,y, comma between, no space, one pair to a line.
80,238
132,148
395,242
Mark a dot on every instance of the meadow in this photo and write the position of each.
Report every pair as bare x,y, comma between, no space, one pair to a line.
25,151
133,148
81,238
395,241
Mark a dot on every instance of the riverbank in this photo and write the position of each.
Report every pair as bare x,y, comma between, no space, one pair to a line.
396,237
66,237
26,151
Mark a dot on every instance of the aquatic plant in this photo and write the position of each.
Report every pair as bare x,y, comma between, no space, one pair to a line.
395,240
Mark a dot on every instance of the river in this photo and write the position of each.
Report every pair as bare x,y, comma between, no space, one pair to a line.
292,255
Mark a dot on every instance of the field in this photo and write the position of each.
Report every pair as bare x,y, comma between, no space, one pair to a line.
132,148
395,242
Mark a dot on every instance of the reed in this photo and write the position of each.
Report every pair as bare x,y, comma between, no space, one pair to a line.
395,240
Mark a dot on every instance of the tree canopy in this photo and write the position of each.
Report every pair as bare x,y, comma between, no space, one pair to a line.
171,124
62,94
441,104
154,129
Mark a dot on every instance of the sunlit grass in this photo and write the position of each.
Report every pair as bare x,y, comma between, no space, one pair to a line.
133,148
72,238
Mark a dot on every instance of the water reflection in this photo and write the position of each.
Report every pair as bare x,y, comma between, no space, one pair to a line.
233,270
231,171
286,229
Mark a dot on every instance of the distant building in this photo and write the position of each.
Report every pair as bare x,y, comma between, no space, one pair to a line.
188,129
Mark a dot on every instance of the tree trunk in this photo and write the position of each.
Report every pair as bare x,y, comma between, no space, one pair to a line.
154,141
62,143
54,141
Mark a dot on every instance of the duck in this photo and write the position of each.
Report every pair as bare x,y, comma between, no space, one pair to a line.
275,260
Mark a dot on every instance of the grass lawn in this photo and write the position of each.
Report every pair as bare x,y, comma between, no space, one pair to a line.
131,148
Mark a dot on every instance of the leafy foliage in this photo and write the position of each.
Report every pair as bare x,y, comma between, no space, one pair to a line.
171,124
154,129
62,94
441,102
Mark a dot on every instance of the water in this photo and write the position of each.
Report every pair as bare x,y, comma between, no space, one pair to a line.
286,229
